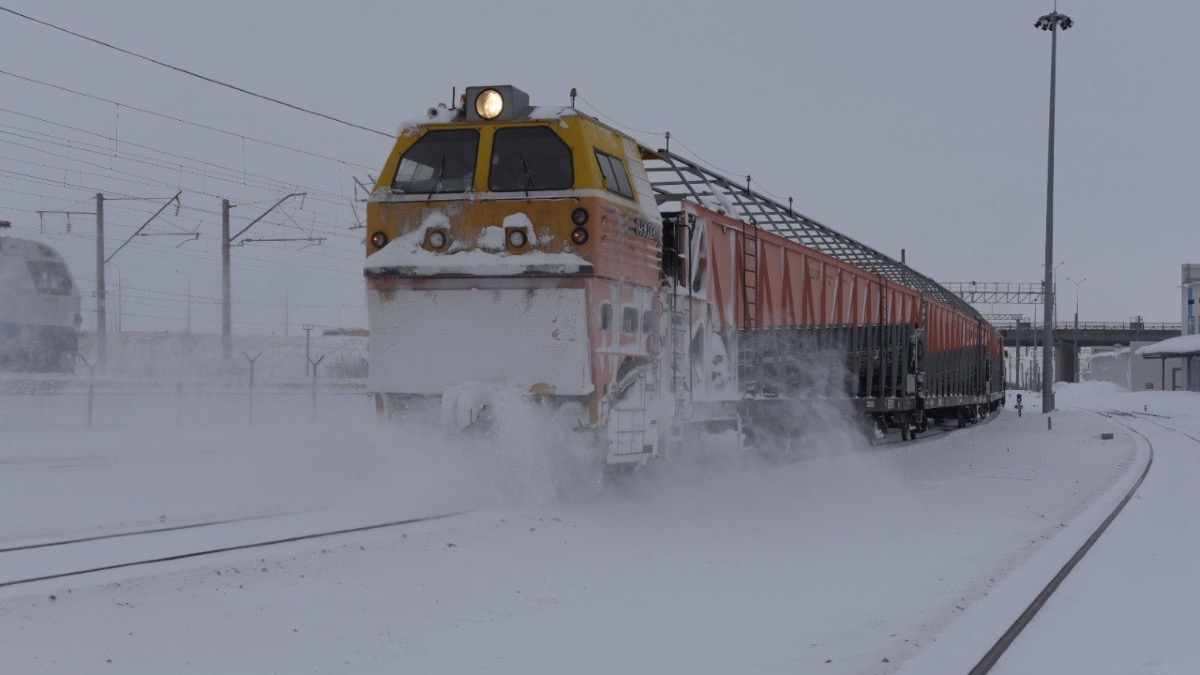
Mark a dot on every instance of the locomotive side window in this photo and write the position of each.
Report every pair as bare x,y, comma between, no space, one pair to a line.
606,316
441,161
615,178
49,277
525,159
629,320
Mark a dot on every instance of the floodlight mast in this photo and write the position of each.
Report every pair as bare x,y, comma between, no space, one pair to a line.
1052,22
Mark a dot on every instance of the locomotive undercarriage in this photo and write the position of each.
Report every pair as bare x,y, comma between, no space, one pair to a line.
37,348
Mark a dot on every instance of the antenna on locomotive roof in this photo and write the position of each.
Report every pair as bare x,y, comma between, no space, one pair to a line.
453,95
573,95
668,137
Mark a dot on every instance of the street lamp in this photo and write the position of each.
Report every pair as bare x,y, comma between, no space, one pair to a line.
189,305
1076,339
1052,22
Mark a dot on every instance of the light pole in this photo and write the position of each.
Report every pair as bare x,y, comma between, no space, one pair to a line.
1076,338
189,305
1052,22
1054,286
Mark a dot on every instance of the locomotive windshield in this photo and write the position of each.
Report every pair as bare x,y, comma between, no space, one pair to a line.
530,158
50,277
441,161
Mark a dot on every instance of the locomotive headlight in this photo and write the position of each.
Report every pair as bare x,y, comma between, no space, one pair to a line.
517,238
579,216
379,239
489,104
436,239
580,236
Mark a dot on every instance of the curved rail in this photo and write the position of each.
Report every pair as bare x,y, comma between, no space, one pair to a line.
993,655
225,549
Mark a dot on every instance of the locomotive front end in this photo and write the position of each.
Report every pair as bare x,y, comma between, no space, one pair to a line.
40,310
493,236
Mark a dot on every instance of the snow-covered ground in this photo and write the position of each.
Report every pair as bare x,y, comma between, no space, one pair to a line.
1130,605
852,560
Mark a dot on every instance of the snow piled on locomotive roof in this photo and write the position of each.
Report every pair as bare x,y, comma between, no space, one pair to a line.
407,254
443,115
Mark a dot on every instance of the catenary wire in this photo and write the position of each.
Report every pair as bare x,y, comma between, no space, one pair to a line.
191,73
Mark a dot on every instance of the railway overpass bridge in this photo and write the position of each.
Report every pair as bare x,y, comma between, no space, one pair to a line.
1019,333
1068,339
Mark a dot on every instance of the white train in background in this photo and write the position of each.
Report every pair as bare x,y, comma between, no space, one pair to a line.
39,308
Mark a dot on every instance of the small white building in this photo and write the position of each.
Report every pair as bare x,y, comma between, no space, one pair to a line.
1177,356
1189,294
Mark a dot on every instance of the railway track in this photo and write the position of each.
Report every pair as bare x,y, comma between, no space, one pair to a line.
134,533
199,553
1006,640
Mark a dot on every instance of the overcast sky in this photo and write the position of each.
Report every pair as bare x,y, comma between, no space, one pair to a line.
915,125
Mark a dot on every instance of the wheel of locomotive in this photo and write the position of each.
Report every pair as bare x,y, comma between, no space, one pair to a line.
878,426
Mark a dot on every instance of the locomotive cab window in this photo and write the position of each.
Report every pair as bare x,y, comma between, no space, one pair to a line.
525,159
615,178
49,277
606,316
441,161
629,320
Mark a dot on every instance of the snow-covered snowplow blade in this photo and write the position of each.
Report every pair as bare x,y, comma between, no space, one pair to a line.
425,342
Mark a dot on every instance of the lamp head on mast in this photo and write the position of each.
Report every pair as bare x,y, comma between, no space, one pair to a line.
1054,21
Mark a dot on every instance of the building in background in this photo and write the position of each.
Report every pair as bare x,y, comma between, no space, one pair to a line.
1178,357
1189,293
1153,369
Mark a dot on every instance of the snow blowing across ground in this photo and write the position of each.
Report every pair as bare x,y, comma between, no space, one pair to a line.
854,559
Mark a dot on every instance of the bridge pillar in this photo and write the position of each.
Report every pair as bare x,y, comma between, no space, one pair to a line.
1066,362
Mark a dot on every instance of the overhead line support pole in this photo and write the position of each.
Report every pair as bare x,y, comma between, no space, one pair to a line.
226,312
101,314
226,291
147,223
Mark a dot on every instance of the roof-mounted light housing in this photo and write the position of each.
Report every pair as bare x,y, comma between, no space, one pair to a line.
496,103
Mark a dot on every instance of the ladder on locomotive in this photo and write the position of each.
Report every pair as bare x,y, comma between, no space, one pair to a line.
749,356
679,311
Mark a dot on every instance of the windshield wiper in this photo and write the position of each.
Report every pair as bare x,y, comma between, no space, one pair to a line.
528,173
437,182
